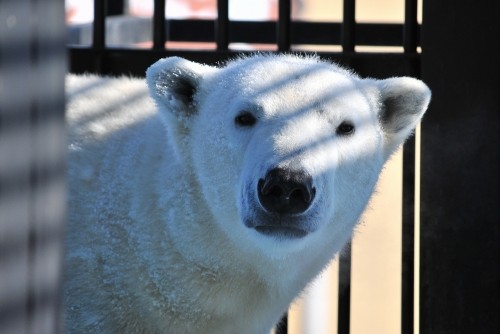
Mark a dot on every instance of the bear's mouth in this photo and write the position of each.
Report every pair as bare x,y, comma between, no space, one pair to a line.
281,232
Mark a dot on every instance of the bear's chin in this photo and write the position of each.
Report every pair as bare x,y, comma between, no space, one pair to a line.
280,232
282,227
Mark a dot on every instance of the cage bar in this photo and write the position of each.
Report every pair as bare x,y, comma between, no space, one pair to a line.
284,25
348,31
408,235
99,25
410,32
99,34
159,27
222,25
410,43
115,7
344,308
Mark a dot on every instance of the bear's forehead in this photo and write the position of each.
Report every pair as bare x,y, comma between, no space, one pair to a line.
294,83
280,72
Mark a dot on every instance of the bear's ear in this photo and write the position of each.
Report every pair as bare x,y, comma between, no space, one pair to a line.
173,83
403,102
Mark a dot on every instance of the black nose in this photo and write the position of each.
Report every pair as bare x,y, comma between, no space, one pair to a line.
284,191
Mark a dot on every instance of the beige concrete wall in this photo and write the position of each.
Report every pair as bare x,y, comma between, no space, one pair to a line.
366,10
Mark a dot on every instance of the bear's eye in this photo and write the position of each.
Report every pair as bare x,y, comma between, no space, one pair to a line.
345,129
245,119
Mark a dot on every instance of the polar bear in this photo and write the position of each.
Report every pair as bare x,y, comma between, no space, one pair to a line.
210,206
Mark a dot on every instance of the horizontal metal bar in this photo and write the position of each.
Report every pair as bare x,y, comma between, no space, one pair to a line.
134,30
316,33
136,61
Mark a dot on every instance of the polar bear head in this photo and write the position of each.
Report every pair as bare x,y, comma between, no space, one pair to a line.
286,150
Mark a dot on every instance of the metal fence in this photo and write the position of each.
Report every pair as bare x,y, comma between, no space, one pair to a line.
459,258
284,33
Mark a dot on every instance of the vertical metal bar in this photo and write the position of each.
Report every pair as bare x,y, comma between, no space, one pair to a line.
159,26
344,306
284,25
115,7
408,228
348,31
32,151
410,40
347,38
99,25
283,41
222,25
99,34
408,235
47,173
15,40
282,326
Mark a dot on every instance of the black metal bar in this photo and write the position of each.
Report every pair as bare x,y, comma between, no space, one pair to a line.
344,302
261,32
410,35
99,33
348,37
408,235
284,25
321,33
159,26
282,326
410,43
222,25
99,25
115,7
136,61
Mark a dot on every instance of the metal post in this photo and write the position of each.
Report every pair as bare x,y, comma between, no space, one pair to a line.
344,302
159,31
99,26
222,25
348,37
410,43
32,171
410,37
284,25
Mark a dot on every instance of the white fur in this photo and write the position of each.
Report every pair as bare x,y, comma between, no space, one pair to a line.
159,192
